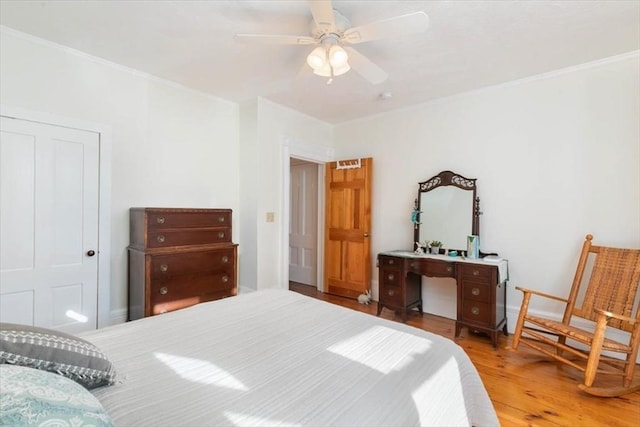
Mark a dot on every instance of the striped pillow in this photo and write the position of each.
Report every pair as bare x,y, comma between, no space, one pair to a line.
56,352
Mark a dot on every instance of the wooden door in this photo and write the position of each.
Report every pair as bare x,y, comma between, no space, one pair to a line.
347,261
303,223
48,225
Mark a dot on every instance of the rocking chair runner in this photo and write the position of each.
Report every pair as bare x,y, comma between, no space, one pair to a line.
608,301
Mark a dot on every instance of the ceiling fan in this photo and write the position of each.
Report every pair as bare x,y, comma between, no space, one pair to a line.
333,33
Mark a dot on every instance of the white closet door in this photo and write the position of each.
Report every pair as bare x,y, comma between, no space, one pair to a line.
48,225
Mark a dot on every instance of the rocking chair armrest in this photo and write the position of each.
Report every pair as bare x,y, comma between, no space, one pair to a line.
631,320
542,294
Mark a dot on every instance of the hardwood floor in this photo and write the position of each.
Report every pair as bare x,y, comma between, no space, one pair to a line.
526,388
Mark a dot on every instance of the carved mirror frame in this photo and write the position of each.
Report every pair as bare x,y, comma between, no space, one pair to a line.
449,178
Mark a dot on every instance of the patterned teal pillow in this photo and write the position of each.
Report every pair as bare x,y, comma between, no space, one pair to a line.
55,351
32,397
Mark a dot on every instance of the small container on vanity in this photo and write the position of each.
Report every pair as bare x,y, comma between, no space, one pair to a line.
178,258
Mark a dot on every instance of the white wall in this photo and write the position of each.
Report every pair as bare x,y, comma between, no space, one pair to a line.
556,157
248,240
170,146
278,128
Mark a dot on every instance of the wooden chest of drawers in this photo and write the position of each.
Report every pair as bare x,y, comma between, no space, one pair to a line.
178,258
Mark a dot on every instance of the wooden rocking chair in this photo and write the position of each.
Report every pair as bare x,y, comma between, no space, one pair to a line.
608,301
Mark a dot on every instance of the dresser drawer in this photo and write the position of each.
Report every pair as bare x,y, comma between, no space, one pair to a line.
476,292
478,273
177,293
177,264
476,311
185,237
190,285
186,219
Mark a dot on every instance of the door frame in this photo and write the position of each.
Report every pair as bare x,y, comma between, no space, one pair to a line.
320,156
104,197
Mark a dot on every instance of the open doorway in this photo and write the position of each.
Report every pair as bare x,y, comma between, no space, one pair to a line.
304,204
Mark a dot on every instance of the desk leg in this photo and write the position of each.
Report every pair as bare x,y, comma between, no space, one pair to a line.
458,329
494,338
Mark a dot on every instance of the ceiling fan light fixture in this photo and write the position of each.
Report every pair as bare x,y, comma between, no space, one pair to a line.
317,59
337,56
338,71
325,71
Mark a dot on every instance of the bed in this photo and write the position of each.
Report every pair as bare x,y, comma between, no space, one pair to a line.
275,357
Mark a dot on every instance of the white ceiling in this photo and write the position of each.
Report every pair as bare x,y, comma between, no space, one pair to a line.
469,45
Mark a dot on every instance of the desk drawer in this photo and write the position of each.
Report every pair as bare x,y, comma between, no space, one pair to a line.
432,268
390,262
478,273
476,291
392,295
475,311
390,277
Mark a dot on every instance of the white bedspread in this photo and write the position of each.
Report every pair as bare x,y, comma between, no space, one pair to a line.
280,358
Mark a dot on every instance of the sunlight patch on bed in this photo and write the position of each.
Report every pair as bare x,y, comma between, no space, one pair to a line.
441,388
246,420
381,348
200,371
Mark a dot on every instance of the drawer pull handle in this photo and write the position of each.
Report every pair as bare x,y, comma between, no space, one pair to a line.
390,262
160,238
475,291
449,269
475,311
160,220
225,278
476,272
412,265
221,219
220,234
391,277
225,259
164,290
164,268
391,292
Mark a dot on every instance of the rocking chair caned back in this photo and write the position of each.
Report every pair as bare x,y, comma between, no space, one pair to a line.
613,286
608,301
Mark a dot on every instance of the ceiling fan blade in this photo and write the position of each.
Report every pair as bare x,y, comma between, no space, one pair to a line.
322,11
275,39
412,23
363,66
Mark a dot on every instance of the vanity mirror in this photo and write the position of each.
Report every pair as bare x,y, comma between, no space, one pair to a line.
447,210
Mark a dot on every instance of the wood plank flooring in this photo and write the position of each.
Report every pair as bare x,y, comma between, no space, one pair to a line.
526,388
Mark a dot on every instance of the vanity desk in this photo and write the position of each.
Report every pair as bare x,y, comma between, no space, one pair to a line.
446,214
481,288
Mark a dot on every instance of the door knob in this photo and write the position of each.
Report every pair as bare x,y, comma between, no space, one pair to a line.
366,234
91,252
